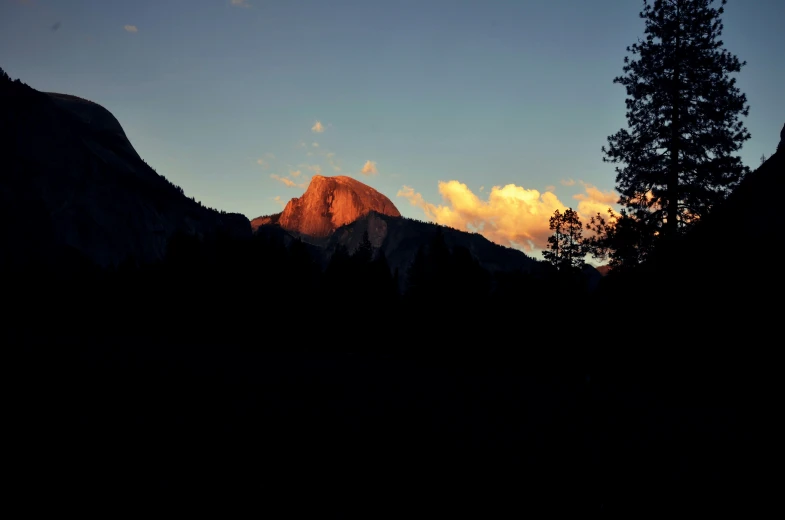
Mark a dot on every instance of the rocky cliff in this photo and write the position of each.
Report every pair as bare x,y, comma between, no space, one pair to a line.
327,204
71,181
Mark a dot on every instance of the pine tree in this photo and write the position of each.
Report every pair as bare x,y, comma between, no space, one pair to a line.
565,247
364,252
683,111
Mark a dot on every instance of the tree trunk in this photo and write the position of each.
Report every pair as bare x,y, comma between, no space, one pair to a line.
672,222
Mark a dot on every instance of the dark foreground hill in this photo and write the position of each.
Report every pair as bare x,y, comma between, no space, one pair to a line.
236,370
72,186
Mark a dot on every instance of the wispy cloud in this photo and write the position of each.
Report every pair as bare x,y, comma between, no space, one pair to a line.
264,164
318,127
279,200
567,182
240,3
315,145
333,161
369,168
315,168
286,181
511,215
131,28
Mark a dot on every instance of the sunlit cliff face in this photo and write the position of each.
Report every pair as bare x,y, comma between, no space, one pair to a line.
329,203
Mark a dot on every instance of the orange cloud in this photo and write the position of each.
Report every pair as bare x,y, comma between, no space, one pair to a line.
567,182
240,3
369,168
511,215
131,28
318,127
594,201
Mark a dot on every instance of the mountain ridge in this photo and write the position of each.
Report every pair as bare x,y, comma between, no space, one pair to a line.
73,184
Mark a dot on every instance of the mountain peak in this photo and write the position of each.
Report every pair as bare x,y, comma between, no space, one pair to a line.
329,203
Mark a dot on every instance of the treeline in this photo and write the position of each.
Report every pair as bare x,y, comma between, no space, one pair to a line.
218,288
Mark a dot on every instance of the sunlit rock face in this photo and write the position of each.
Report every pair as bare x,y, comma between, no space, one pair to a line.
329,203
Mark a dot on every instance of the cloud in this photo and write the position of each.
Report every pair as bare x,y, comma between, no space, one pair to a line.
318,127
264,164
315,145
315,168
511,215
333,162
567,182
286,181
594,201
131,28
550,187
279,200
369,168
295,173
240,3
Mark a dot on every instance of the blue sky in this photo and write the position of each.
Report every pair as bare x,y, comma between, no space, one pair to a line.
437,100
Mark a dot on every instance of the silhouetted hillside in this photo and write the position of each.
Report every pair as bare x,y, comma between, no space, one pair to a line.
400,238
71,181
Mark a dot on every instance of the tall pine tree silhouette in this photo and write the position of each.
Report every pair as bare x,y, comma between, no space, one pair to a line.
683,113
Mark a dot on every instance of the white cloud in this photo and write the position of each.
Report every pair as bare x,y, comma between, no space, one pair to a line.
369,168
131,28
240,3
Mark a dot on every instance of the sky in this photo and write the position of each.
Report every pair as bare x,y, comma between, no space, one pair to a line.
482,115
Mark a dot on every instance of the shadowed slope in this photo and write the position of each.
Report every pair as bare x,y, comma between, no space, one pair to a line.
71,181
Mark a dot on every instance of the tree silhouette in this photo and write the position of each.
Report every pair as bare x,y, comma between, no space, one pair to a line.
364,253
683,114
565,246
623,240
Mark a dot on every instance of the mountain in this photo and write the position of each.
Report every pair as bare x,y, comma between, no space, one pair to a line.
72,184
327,204
751,214
399,238
335,212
